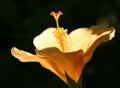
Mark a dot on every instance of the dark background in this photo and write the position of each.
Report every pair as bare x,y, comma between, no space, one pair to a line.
22,20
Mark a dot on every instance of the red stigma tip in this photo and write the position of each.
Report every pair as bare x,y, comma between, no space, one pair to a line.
56,14
60,12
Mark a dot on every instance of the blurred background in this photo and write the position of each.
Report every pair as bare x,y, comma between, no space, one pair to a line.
22,20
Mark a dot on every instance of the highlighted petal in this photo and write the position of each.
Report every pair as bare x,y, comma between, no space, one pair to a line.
46,39
53,37
80,38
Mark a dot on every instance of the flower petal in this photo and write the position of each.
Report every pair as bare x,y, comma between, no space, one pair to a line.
71,63
80,38
96,38
23,56
28,57
46,39
89,38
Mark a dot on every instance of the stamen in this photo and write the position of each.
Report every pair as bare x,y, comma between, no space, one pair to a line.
56,16
60,34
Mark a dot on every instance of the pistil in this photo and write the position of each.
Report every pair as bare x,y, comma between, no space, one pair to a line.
59,32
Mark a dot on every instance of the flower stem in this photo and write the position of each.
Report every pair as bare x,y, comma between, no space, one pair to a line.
72,84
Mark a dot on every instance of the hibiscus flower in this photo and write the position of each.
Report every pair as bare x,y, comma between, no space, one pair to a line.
64,53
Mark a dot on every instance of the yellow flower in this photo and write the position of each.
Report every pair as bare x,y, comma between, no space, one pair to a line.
65,53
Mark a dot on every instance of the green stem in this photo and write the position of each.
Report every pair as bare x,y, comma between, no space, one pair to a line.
72,84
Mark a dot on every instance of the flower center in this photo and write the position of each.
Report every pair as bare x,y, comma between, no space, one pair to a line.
59,32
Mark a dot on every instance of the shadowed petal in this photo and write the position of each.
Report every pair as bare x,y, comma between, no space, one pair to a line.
71,63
